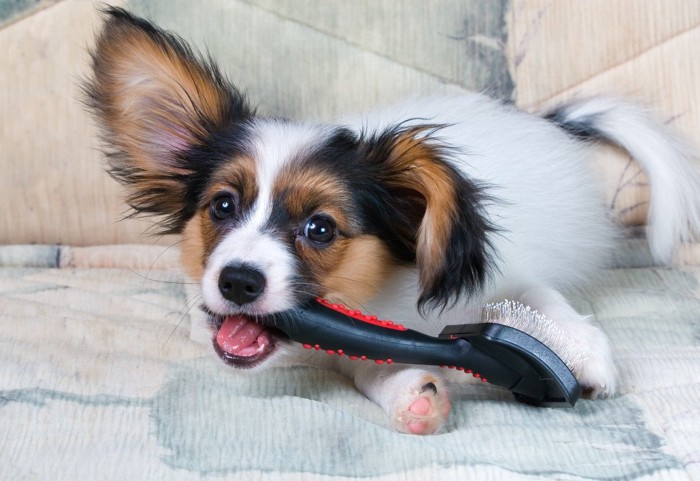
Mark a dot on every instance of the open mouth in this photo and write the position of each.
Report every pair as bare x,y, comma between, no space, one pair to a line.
242,342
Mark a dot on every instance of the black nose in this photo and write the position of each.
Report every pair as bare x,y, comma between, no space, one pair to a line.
241,283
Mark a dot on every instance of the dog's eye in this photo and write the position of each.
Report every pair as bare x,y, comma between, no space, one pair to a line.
320,229
223,206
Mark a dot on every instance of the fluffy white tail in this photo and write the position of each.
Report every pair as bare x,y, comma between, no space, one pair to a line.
670,162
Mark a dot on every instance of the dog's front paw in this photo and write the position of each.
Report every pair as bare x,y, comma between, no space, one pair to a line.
415,398
598,379
586,346
598,375
422,407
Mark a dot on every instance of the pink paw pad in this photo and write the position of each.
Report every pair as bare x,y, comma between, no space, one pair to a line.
427,412
418,427
421,406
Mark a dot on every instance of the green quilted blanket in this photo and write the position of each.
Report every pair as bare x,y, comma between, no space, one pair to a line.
99,380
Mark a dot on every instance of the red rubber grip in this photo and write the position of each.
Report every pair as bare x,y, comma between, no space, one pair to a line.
360,316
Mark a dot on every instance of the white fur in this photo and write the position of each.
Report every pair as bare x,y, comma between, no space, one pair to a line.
274,144
251,246
674,213
554,232
397,389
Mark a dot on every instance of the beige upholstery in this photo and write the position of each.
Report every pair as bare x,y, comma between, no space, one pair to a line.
642,49
54,190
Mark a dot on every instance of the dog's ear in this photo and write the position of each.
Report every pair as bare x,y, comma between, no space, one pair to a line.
157,102
436,213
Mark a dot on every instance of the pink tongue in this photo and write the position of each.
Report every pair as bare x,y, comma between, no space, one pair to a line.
241,337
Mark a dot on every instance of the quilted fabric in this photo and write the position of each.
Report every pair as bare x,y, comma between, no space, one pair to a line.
99,380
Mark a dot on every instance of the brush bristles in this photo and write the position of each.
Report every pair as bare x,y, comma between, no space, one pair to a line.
525,319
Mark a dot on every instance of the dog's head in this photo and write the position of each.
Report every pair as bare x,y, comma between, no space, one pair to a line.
274,212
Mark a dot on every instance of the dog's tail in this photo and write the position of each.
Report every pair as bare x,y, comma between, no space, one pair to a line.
670,162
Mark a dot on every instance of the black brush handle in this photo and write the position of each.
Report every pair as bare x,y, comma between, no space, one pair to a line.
330,327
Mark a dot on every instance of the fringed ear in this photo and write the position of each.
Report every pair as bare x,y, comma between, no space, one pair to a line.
436,210
157,101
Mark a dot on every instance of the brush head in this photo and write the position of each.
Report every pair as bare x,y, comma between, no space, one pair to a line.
520,316
531,345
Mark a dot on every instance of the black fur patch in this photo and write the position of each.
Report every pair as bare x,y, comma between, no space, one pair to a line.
583,129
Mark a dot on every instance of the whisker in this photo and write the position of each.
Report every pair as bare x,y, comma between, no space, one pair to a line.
357,281
187,308
145,277
150,268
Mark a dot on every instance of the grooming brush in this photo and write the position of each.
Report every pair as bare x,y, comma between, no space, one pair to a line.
507,348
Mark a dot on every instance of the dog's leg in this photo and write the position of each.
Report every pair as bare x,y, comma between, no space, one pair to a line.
416,399
598,374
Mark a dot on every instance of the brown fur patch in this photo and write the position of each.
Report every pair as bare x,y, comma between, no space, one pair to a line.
357,271
349,269
154,96
415,161
201,235
237,175
192,250
306,191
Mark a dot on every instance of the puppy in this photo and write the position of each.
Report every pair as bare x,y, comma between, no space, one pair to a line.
420,212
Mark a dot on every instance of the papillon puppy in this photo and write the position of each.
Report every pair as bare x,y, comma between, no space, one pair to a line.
419,212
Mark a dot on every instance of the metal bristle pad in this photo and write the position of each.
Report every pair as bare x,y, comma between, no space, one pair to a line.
522,317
